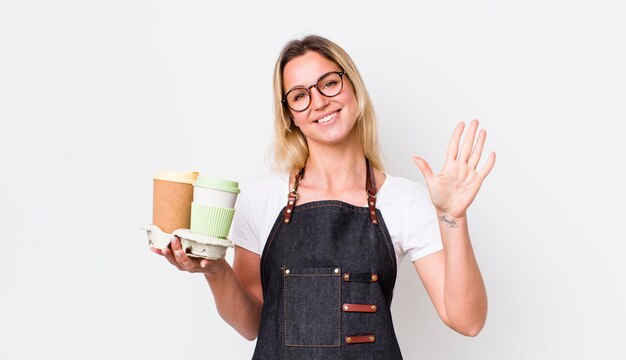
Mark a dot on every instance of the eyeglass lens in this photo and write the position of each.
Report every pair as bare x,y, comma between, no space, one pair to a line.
328,85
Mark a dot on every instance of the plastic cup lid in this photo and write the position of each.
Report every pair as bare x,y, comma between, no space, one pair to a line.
187,177
218,184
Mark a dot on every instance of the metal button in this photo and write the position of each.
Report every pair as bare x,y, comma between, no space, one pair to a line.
373,307
371,203
374,278
372,212
286,220
286,271
348,339
346,277
290,202
371,338
375,222
346,307
288,211
336,271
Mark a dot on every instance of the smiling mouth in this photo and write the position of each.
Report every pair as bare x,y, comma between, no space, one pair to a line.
326,118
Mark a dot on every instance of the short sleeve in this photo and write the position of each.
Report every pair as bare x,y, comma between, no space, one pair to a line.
244,231
421,232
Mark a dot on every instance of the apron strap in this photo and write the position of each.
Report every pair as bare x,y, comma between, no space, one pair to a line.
292,197
370,188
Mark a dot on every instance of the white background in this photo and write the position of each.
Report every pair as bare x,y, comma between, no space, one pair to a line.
96,97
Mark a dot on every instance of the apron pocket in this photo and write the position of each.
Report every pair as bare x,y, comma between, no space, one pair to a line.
312,307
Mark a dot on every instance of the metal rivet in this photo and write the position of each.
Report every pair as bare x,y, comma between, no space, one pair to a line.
374,277
372,203
290,202
346,307
371,338
286,271
373,307
374,222
288,211
372,212
346,277
348,339
336,271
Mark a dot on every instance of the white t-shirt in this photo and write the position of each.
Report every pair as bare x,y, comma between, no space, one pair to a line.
405,206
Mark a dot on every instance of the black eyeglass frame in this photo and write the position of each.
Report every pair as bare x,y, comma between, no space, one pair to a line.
308,89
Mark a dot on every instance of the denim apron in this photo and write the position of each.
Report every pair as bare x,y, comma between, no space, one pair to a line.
328,270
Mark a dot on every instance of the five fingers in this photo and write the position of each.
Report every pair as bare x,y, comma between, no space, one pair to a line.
177,257
468,152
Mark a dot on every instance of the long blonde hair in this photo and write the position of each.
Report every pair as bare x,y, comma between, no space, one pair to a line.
290,146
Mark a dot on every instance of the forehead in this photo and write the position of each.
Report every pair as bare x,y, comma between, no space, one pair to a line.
306,69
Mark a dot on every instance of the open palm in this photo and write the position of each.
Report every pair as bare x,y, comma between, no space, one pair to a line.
455,187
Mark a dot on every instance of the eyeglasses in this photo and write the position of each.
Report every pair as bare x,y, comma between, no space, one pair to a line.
330,84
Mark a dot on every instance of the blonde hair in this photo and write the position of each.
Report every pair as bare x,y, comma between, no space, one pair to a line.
290,145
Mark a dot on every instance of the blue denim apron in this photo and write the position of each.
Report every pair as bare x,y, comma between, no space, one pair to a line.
328,270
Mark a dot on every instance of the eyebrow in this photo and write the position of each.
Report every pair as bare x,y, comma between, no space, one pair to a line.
315,83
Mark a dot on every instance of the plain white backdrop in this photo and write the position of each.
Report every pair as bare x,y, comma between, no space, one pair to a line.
97,96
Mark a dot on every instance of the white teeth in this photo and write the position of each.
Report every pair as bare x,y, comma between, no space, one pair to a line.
327,118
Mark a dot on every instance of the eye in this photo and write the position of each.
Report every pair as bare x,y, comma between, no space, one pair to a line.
299,96
330,84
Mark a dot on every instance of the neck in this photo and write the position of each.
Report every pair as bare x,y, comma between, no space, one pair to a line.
336,167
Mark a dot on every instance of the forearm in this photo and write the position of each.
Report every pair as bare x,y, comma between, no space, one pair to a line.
465,297
235,304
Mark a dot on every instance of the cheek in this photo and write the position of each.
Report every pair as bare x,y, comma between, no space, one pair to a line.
298,119
350,102
349,96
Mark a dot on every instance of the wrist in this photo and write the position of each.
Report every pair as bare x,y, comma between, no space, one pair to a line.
215,269
453,214
451,220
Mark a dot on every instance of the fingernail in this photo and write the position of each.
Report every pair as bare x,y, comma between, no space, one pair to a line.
178,253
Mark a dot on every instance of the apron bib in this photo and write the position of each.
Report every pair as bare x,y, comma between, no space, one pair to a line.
328,270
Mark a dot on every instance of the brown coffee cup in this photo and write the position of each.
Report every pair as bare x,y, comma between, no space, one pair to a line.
172,198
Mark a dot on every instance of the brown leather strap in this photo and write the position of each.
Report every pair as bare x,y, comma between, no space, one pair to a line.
360,339
292,197
370,187
366,308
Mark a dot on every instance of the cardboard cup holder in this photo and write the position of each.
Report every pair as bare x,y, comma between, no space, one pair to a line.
194,244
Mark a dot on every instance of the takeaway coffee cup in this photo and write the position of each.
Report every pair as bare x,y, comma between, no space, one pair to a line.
172,198
212,209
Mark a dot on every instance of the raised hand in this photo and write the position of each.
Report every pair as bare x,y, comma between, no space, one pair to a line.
455,187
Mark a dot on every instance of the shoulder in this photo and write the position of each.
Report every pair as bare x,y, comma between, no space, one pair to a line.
261,198
265,192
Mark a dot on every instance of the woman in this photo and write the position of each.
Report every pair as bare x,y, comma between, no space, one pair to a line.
314,271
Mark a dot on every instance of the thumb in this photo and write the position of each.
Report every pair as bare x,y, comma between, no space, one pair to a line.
424,168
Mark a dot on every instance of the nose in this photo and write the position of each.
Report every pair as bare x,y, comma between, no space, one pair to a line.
318,101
